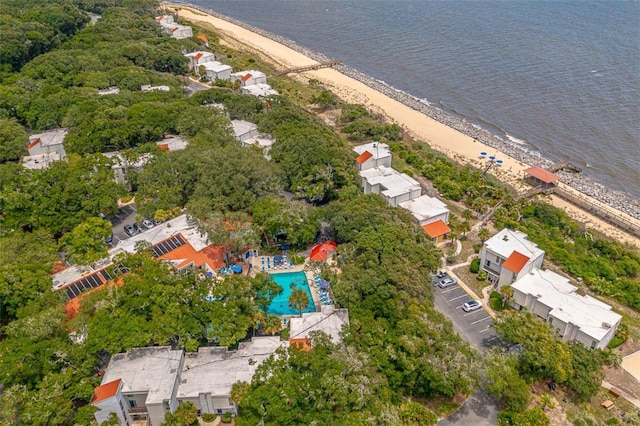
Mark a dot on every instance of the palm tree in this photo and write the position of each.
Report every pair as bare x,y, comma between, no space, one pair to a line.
298,300
467,214
483,234
273,324
507,294
464,227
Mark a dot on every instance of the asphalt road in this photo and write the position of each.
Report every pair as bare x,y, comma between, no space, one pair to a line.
124,216
476,328
479,410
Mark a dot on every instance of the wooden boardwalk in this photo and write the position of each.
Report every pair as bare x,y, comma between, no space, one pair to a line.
323,64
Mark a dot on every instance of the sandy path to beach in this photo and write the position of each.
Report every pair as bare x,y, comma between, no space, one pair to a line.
456,145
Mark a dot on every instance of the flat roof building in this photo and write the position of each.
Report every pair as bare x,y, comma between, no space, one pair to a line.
259,90
576,317
329,320
209,374
393,186
149,379
244,130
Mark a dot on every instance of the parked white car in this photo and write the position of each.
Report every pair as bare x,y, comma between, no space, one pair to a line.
472,305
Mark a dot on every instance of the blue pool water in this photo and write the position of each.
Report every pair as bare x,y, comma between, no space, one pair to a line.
280,304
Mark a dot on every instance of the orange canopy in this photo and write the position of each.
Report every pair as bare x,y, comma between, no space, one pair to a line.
320,252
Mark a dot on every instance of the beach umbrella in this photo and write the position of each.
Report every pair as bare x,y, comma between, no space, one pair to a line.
324,284
320,252
499,161
277,259
483,153
492,157
237,269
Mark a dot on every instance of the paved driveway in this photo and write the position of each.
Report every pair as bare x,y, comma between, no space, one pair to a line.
475,327
124,216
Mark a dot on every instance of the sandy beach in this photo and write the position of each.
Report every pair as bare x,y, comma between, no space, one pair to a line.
457,145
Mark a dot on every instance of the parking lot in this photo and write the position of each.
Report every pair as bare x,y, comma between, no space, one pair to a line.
124,216
475,326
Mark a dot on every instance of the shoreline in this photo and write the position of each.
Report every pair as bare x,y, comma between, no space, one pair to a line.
460,140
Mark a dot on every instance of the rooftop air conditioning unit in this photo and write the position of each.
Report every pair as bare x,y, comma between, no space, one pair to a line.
505,238
606,325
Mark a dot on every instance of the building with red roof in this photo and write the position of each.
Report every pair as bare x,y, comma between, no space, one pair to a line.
537,176
374,154
437,230
508,256
107,398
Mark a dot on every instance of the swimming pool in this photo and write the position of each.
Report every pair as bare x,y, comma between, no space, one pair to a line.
287,280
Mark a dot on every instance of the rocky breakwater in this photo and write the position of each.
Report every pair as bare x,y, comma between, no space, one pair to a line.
615,199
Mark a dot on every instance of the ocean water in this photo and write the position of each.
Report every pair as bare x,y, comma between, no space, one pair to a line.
559,77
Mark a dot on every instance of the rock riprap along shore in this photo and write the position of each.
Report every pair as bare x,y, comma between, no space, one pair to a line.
618,200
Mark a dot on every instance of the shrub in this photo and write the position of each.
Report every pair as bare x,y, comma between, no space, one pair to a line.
616,341
208,417
226,417
482,275
475,266
477,247
496,304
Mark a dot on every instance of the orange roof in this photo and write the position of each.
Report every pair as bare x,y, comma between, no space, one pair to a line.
436,229
303,344
246,77
515,262
58,266
186,255
106,391
198,56
542,174
364,157
164,146
159,18
72,307
203,38
34,143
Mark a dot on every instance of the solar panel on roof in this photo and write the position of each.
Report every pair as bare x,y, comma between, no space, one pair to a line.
86,283
168,245
105,275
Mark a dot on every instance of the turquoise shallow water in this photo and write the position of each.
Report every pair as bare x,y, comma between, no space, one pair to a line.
289,280
560,77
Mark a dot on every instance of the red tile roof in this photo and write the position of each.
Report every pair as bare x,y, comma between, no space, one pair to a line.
515,262
436,229
203,38
106,391
364,157
198,56
542,174
34,143
303,344
246,77
174,29
186,255
164,146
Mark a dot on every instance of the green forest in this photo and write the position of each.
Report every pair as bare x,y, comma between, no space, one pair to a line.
400,361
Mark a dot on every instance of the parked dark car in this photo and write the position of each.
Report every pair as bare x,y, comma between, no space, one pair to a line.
131,230
441,274
108,239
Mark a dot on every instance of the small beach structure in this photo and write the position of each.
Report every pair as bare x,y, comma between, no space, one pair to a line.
537,176
248,78
320,252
